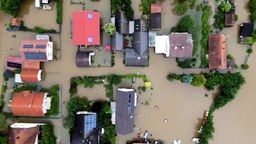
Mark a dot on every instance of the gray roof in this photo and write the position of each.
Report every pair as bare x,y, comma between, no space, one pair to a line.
138,55
140,25
121,23
124,115
117,41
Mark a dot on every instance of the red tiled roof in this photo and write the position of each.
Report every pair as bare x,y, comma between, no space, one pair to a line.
156,8
27,104
229,19
85,28
217,51
33,49
181,45
35,65
30,75
15,22
22,135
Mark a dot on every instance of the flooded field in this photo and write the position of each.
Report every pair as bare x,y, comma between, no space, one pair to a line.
182,105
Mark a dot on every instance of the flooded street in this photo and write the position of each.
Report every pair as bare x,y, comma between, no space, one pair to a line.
182,105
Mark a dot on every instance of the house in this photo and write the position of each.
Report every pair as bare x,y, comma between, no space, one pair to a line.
125,110
138,54
121,22
246,31
229,19
217,51
85,28
117,42
36,50
30,104
85,128
84,58
16,23
155,16
23,133
177,45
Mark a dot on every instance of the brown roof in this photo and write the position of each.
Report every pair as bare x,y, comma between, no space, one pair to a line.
181,45
15,22
31,65
29,75
156,8
27,104
22,135
229,19
217,51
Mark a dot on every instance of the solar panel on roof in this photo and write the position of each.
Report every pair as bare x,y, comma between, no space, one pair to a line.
27,46
41,46
35,56
90,123
89,16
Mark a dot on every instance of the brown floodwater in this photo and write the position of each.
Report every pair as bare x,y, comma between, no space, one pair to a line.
182,105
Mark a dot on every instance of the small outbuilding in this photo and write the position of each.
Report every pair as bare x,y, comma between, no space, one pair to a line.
83,58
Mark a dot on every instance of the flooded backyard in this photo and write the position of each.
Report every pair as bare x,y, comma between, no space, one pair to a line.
182,105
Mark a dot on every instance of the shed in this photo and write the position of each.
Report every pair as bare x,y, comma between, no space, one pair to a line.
83,58
117,42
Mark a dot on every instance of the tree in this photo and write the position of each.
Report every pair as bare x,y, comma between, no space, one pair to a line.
245,66
77,104
185,24
187,78
198,80
68,122
3,124
10,6
252,9
3,140
110,29
249,51
47,135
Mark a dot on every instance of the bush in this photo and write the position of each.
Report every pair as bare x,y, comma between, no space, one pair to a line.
59,12
31,87
47,135
3,123
114,79
245,66
68,122
143,89
252,9
3,139
185,63
198,80
145,7
53,92
236,17
173,76
249,51
230,57
207,130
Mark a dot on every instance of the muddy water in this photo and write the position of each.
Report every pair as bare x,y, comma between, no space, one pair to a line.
180,104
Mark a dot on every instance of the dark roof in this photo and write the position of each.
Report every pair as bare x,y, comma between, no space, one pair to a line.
82,59
246,29
138,55
229,19
140,25
121,23
217,51
155,21
117,41
22,135
124,112
78,135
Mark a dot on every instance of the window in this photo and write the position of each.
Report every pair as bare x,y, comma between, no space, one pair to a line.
41,46
90,39
89,16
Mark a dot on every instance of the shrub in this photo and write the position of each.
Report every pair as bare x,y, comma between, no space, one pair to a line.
173,76
198,80
47,135
59,12
185,23
249,51
187,78
68,122
31,87
180,8
143,89
245,66
145,7
252,9
230,57
114,79
53,92
3,139
236,17
77,104
3,123
207,130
